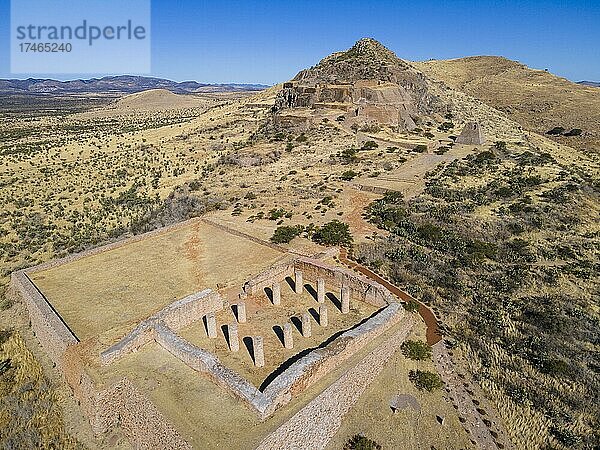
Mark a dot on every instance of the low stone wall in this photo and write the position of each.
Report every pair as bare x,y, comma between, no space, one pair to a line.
208,364
190,309
360,286
177,315
314,425
119,404
265,279
51,331
141,335
318,363
294,380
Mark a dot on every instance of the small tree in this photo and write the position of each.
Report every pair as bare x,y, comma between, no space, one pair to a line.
333,233
425,380
284,234
417,350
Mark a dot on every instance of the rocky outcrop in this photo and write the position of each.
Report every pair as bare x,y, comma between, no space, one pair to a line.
368,83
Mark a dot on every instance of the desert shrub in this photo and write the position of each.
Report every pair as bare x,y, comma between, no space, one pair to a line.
425,380
555,131
574,132
250,196
301,138
276,214
284,234
348,175
333,233
446,126
360,442
371,128
500,145
4,336
411,306
349,155
421,148
5,302
369,145
417,350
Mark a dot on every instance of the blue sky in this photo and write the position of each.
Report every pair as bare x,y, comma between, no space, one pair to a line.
270,41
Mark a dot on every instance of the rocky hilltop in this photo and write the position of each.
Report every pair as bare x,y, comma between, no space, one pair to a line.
368,83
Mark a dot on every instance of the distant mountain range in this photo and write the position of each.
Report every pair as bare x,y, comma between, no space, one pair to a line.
590,83
124,84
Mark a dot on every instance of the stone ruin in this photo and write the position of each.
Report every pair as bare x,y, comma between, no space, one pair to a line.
122,403
472,134
363,102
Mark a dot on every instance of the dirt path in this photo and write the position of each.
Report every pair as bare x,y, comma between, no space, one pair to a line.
410,177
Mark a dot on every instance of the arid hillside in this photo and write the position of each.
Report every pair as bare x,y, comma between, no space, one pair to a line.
538,100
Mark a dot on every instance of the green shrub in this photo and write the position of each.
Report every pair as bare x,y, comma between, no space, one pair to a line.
348,175
574,132
333,233
417,350
411,306
360,442
446,126
556,131
284,234
370,145
425,380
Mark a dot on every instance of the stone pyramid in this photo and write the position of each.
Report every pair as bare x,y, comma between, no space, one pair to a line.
472,134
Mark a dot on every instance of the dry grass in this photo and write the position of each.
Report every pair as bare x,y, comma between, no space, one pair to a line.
536,99
30,413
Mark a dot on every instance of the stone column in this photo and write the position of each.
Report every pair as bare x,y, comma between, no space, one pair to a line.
323,319
299,282
211,325
234,340
345,299
288,337
259,353
320,290
306,330
241,312
276,289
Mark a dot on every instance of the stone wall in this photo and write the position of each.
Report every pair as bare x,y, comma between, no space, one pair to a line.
51,331
177,315
361,287
318,363
315,424
265,279
208,364
118,404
